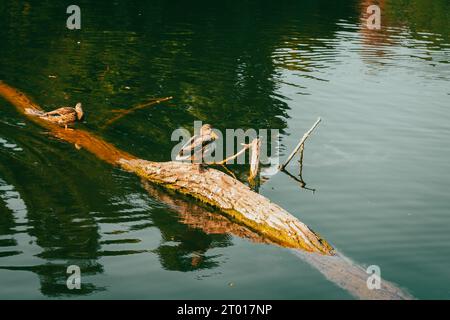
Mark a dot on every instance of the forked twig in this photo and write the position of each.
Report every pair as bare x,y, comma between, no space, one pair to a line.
254,159
228,170
234,156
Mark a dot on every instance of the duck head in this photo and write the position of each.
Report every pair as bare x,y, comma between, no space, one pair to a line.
207,129
79,111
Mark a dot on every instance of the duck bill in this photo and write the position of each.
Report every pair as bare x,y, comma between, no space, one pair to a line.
214,135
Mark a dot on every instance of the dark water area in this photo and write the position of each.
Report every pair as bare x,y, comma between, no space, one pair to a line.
378,161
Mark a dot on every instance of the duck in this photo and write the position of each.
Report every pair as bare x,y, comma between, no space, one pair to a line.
198,145
64,115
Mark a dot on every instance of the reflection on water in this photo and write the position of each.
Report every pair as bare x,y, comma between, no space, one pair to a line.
383,96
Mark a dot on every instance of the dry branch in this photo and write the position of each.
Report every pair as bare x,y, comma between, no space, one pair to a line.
254,159
300,144
210,186
234,156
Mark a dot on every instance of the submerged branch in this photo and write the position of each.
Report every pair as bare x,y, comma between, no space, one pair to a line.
124,112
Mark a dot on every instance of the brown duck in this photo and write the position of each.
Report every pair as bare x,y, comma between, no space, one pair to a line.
198,145
63,116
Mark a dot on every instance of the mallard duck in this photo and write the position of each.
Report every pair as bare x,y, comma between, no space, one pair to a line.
198,145
64,115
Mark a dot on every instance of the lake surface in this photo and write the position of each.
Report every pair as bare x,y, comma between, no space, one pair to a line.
379,161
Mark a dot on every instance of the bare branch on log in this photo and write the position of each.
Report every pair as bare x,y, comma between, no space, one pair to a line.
299,145
255,147
234,156
228,170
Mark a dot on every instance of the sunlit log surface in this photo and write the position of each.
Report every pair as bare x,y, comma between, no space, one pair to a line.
208,185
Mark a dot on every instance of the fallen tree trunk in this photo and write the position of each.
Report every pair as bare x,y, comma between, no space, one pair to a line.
211,186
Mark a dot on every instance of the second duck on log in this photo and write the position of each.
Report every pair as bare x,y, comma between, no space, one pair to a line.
63,116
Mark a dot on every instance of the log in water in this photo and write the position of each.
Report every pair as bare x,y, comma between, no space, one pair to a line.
211,186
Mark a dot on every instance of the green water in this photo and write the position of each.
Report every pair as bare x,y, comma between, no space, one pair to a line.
378,161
